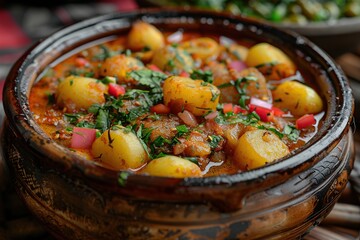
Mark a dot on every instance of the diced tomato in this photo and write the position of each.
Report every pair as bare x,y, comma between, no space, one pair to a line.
81,62
305,121
153,67
116,90
83,138
277,112
263,113
184,74
160,109
237,109
227,107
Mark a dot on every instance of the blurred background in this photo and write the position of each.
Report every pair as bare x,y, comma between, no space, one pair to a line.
333,25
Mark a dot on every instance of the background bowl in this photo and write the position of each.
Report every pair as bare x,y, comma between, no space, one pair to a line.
77,199
336,37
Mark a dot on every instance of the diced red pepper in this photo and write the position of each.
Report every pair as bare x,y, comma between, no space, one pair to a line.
277,112
83,138
237,109
116,90
153,67
81,62
184,74
263,113
160,109
227,107
305,121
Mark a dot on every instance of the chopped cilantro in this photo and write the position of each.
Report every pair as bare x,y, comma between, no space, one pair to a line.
51,98
274,130
291,132
89,74
159,141
171,63
161,154
240,85
106,80
193,160
151,80
181,129
72,118
105,53
143,135
214,94
102,120
206,76
214,141
85,124
123,178
127,52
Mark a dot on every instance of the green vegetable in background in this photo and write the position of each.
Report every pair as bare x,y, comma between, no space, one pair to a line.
296,11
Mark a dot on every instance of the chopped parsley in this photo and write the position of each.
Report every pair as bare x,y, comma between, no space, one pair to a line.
206,76
152,81
215,140
193,160
123,178
291,132
51,98
181,130
72,118
240,85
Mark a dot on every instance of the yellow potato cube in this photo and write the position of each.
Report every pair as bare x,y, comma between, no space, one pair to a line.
78,93
119,66
298,98
120,149
196,96
256,148
171,166
144,35
264,53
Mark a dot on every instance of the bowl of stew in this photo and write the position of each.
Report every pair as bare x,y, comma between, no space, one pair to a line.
333,25
177,124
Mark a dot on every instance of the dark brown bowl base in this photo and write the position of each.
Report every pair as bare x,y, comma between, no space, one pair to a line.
85,211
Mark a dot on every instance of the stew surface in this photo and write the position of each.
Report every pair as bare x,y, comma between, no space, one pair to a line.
178,104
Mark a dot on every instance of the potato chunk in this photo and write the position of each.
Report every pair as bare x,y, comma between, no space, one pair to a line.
298,98
256,148
173,60
201,47
118,66
144,35
171,166
264,53
79,93
196,96
120,149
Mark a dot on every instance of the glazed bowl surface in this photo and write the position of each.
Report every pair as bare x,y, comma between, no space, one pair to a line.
77,199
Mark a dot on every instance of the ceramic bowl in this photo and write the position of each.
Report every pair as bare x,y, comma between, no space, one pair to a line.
77,199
